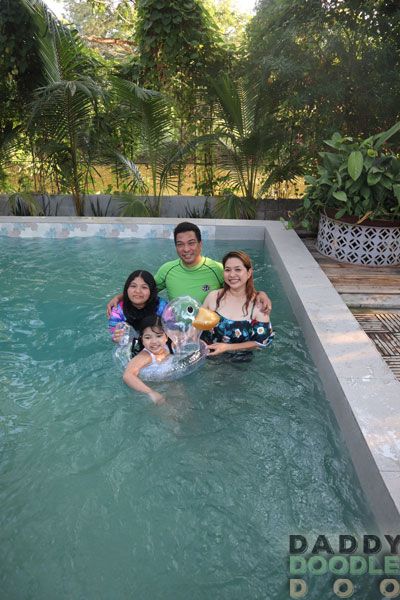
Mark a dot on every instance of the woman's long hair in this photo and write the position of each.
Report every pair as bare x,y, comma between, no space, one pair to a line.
251,291
135,315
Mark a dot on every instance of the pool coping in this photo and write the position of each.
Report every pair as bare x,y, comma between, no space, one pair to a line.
363,392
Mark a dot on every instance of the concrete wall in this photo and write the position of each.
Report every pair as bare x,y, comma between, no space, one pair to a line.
171,206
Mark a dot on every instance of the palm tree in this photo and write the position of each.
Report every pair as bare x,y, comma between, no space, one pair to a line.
65,106
246,140
151,126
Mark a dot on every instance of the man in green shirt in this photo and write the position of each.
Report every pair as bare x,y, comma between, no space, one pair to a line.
191,274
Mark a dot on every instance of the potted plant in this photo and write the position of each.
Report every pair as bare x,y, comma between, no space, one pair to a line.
356,196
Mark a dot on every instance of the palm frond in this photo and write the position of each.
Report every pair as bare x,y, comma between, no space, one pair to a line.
128,92
24,204
233,207
133,207
126,169
229,100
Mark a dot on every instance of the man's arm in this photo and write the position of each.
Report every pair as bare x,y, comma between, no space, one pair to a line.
160,278
263,302
113,303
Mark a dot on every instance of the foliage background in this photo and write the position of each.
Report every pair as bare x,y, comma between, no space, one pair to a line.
312,67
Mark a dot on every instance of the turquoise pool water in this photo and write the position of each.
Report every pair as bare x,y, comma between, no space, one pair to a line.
105,496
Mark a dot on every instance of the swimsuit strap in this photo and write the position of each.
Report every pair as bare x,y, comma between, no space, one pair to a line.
252,310
153,358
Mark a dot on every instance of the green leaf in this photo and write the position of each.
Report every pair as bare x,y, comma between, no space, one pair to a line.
366,192
355,164
331,160
332,144
340,213
383,137
396,191
309,179
341,196
373,178
386,182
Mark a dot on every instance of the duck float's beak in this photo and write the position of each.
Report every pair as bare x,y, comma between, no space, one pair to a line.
205,319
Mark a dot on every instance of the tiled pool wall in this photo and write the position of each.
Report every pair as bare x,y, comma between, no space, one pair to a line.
69,227
364,394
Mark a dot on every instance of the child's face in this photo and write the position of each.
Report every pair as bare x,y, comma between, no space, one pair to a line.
154,339
138,292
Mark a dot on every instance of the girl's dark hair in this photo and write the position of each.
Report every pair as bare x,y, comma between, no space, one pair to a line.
135,315
251,291
154,322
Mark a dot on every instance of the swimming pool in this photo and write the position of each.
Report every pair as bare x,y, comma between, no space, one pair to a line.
107,496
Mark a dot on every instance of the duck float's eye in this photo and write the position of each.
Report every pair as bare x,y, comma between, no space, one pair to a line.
190,310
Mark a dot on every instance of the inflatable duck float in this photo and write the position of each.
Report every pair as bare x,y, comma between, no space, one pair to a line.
183,321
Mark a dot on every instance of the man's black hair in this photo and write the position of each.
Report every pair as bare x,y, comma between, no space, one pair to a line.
186,226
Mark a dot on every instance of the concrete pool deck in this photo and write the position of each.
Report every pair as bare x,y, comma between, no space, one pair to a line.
363,392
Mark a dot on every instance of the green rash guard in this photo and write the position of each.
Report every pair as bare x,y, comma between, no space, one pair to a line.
197,281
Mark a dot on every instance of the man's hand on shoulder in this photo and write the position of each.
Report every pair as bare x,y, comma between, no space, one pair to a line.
113,303
263,303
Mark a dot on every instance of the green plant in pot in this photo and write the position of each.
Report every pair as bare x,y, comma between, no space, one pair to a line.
356,197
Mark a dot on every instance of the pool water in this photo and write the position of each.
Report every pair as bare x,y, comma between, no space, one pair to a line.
106,496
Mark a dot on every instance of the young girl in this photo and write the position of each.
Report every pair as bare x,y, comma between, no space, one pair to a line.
153,342
242,325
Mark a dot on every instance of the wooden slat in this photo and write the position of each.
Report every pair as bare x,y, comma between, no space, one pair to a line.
390,320
370,322
354,288
388,344
393,362
372,301
354,280
374,288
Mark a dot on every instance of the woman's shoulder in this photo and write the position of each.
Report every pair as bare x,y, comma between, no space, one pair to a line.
211,298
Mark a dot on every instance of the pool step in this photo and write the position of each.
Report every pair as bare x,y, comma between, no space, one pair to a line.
371,300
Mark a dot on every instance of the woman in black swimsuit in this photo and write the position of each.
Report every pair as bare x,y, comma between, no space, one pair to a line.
242,325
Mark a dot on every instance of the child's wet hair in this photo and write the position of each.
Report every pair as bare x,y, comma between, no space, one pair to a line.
152,321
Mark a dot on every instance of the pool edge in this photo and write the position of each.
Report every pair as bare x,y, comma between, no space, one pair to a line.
363,392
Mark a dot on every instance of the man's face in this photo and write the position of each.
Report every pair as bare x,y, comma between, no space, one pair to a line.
188,248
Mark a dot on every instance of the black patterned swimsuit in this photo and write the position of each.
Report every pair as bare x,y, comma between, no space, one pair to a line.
230,331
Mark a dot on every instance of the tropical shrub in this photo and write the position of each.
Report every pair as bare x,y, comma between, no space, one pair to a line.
357,178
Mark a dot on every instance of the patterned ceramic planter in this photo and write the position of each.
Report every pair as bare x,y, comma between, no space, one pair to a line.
369,245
